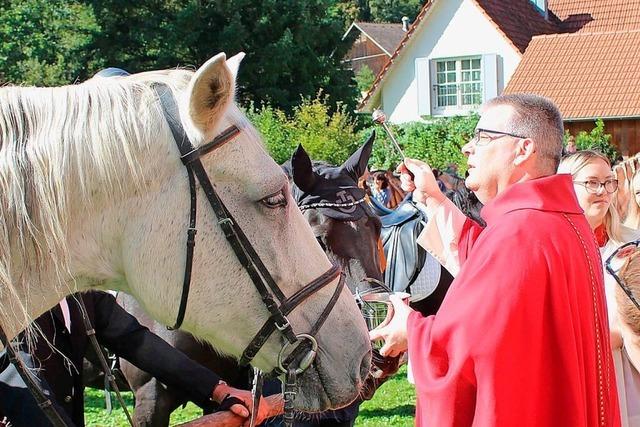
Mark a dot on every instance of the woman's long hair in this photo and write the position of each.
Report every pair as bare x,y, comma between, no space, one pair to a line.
573,164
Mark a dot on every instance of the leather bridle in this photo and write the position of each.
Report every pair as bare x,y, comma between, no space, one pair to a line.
304,346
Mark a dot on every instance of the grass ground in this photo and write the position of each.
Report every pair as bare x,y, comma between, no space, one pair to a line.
392,406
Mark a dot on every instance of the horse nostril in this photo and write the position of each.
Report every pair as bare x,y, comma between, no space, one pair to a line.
365,366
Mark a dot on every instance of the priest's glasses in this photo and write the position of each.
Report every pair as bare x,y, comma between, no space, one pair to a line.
616,262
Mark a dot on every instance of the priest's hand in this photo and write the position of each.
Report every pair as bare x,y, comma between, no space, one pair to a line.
418,177
394,333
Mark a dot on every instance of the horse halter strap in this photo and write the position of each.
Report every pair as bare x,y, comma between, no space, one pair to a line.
244,251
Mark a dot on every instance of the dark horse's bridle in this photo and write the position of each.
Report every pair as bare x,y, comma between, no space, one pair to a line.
303,355
306,346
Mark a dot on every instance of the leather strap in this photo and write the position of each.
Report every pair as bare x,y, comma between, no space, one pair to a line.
44,403
272,324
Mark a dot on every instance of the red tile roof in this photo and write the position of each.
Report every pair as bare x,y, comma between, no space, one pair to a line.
518,20
587,75
597,15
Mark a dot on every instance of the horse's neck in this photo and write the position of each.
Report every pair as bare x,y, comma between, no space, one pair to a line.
92,258
29,296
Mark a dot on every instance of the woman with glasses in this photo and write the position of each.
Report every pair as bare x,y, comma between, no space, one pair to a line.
595,185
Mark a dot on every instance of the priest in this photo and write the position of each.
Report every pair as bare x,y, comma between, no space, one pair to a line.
521,338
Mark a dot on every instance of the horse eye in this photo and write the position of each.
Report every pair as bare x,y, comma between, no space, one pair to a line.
275,200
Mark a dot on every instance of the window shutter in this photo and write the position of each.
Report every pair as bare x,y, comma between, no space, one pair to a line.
423,79
489,76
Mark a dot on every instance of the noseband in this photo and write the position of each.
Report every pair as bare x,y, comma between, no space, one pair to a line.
304,346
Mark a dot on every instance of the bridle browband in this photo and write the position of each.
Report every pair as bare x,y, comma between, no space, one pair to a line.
336,205
303,355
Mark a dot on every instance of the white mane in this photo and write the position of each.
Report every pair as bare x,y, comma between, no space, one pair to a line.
57,147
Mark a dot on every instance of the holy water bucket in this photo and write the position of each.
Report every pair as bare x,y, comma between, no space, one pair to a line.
377,311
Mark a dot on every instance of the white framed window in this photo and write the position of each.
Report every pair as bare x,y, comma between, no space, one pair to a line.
452,86
458,83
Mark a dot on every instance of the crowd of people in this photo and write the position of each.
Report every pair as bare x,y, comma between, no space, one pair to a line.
531,332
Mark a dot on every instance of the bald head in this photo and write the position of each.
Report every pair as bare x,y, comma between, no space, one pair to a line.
536,118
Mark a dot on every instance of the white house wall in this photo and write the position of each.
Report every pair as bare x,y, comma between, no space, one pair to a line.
452,28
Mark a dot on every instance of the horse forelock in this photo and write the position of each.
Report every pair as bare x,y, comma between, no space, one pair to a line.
61,148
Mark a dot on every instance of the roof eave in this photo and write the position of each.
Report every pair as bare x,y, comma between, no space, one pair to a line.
593,118
497,27
377,84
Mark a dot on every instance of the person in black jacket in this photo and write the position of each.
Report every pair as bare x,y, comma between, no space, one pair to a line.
58,366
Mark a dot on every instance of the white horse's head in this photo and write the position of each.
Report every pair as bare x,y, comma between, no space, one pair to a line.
94,195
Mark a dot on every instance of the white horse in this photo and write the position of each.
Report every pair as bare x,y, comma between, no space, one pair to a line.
93,195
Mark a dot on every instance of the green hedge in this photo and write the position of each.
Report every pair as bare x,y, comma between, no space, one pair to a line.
332,135
326,135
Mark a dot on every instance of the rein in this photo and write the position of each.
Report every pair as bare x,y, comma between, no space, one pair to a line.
44,403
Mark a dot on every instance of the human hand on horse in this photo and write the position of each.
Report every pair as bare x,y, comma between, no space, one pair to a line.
393,332
625,173
423,183
243,408
270,406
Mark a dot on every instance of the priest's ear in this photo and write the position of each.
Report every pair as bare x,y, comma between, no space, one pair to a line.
526,151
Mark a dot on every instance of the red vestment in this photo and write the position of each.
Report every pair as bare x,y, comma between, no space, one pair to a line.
522,337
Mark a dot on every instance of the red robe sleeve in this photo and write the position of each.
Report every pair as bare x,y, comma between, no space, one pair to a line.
513,344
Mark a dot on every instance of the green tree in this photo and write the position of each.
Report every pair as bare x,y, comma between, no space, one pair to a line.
394,10
596,140
381,10
293,47
365,78
46,42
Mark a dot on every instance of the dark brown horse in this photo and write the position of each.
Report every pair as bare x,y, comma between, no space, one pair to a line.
345,227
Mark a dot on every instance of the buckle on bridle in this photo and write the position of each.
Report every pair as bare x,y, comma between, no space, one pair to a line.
224,221
306,361
283,327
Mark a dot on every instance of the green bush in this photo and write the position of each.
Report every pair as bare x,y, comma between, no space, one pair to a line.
332,135
596,140
438,142
326,135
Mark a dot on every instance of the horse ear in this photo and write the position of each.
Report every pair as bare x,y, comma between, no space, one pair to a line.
234,64
302,170
356,165
210,91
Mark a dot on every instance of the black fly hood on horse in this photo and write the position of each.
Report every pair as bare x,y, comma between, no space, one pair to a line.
336,208
332,190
